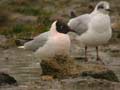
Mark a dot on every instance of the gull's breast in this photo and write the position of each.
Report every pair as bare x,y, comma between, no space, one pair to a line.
100,23
57,45
99,31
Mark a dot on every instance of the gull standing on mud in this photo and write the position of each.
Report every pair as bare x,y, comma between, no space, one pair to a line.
58,42
94,29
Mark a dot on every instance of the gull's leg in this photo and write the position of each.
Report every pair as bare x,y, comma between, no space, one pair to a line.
86,59
97,55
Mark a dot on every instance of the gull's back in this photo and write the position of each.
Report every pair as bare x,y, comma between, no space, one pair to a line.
80,23
37,42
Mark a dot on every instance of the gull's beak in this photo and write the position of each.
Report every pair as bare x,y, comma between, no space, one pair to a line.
71,30
109,10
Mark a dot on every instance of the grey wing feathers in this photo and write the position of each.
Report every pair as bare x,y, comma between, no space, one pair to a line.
80,23
37,42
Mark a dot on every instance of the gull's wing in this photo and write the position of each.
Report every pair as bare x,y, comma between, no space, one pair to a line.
80,23
37,42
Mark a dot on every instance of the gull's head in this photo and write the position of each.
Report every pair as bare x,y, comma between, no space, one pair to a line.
62,27
103,7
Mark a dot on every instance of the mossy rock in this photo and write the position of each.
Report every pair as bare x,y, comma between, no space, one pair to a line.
67,67
59,67
108,75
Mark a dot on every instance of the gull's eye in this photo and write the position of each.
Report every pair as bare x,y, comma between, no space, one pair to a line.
100,7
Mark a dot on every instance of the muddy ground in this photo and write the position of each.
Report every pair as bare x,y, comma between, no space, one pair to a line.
22,65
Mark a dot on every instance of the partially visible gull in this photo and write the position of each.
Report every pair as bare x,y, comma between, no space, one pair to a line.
94,29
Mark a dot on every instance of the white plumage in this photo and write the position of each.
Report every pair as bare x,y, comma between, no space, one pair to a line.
99,31
57,44
37,41
94,29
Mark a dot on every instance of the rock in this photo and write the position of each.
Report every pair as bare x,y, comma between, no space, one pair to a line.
7,79
60,67
108,75
116,26
64,68
3,40
115,22
47,78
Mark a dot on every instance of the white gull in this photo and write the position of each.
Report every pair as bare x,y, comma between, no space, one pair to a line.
94,29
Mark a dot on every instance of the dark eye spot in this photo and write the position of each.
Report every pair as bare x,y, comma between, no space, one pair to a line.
100,7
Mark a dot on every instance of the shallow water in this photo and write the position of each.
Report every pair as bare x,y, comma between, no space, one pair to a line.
22,65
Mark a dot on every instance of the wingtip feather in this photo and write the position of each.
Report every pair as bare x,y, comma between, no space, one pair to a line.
21,47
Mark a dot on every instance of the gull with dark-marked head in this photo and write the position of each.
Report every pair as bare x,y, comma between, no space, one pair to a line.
58,43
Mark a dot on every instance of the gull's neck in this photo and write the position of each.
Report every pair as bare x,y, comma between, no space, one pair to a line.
94,12
53,29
